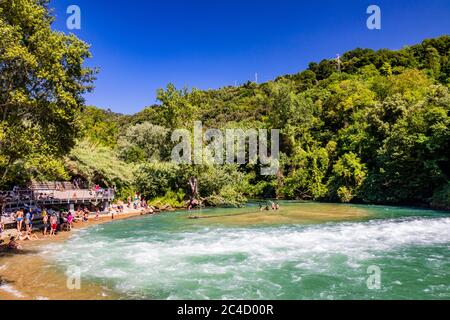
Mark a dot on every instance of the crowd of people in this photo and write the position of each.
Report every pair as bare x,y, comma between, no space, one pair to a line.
137,202
49,221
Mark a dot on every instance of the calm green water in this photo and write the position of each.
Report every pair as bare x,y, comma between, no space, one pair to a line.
306,251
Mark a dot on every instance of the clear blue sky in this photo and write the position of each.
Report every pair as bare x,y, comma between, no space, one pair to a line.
142,45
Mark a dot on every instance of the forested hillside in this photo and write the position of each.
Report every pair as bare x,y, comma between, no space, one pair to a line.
373,127
378,131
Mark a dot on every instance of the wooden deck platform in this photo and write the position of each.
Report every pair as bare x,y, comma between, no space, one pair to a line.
11,201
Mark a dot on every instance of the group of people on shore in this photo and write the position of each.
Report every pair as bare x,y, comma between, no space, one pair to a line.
50,222
26,218
136,202
82,215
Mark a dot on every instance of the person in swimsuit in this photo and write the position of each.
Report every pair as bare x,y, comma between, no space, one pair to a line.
45,221
27,221
30,222
69,221
19,220
28,236
54,225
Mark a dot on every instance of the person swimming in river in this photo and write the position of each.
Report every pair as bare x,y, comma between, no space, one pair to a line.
269,206
265,207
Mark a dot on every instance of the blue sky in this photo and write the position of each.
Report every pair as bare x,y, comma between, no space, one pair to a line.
141,46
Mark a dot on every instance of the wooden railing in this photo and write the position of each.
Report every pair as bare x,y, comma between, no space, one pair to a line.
45,195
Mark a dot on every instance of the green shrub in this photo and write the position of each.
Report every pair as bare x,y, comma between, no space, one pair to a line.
171,198
156,179
227,197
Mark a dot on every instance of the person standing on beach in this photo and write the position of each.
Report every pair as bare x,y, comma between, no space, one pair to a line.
19,220
69,221
53,225
30,223
136,201
2,226
27,221
44,213
45,222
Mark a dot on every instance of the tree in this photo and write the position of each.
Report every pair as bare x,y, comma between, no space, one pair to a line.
348,177
177,110
42,82
100,126
386,69
155,179
413,161
143,142
101,165
306,175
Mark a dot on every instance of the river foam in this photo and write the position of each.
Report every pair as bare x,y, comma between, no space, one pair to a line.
257,263
11,290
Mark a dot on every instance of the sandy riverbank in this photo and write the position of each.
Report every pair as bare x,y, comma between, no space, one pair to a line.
31,276
28,276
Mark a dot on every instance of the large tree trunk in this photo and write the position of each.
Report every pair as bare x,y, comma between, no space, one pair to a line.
193,192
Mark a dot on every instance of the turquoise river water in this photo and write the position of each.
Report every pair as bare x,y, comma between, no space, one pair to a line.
304,251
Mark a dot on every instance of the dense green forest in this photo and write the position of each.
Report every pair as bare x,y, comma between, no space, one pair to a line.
373,127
